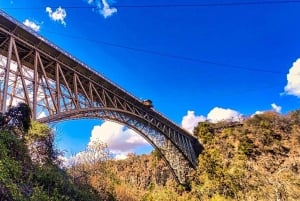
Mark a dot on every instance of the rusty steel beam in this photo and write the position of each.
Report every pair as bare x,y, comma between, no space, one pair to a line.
6,77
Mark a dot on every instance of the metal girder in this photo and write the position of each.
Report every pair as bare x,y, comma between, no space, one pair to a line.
58,87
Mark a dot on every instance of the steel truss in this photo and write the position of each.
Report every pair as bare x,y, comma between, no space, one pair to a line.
58,87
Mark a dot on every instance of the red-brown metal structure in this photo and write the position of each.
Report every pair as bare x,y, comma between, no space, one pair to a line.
58,87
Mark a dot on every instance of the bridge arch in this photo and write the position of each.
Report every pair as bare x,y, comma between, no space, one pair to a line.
54,83
174,158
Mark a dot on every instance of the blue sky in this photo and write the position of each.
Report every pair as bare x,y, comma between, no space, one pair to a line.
204,60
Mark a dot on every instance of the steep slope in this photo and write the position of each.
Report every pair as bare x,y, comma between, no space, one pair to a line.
256,160
21,179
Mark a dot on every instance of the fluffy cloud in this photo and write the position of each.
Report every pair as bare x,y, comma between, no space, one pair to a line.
258,112
119,139
103,7
107,11
276,108
41,114
217,114
293,80
121,156
221,114
32,25
58,15
190,120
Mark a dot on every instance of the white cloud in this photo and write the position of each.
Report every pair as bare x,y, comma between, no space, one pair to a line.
120,140
220,114
58,15
107,11
121,156
32,25
276,108
258,112
293,80
42,114
104,8
190,120
217,114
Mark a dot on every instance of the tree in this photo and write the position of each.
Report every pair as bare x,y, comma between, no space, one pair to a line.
40,142
18,117
92,166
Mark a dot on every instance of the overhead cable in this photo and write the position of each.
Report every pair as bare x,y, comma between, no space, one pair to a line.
168,55
172,5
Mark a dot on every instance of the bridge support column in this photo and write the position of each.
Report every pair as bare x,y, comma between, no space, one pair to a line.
6,76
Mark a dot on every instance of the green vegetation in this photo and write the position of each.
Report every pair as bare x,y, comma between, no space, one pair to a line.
258,159
28,164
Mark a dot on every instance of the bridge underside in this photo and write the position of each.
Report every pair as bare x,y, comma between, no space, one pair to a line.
173,157
58,87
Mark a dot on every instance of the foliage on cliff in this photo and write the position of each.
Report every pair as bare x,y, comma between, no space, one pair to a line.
28,163
256,160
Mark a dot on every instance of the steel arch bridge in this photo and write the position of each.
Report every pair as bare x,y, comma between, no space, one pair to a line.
57,87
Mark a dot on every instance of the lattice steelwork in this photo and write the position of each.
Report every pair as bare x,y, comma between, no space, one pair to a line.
59,87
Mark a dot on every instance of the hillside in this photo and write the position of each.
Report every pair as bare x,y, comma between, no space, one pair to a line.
257,159
29,165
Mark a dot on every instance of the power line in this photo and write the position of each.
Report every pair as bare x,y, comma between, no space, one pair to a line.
180,5
173,56
229,4
39,8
